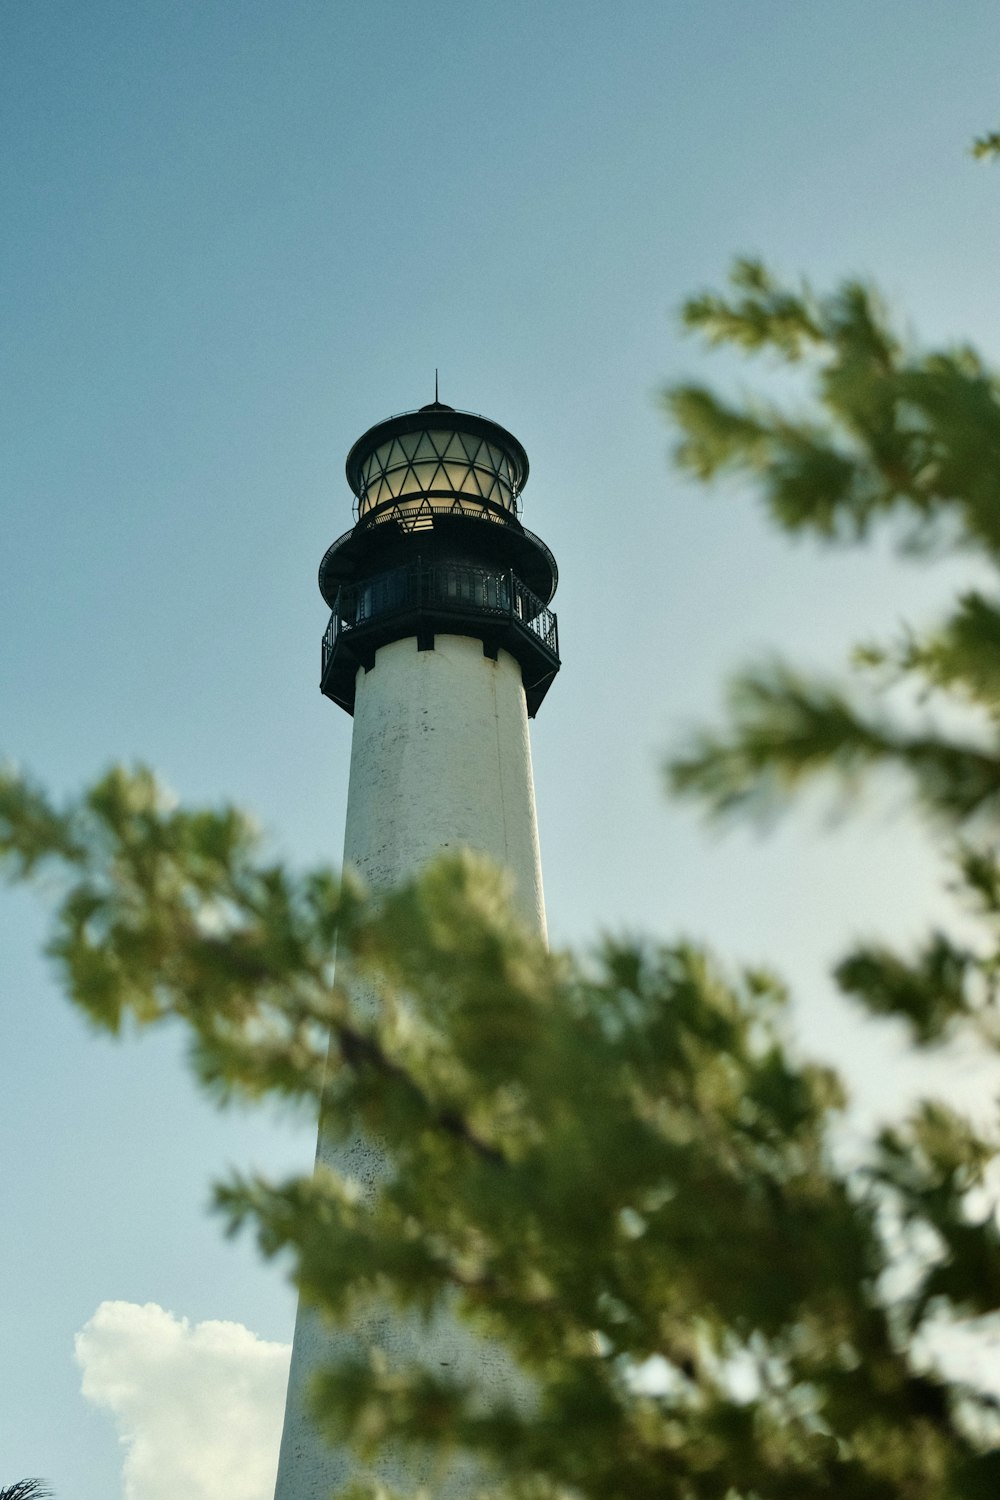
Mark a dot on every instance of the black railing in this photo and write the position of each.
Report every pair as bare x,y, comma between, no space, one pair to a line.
441,588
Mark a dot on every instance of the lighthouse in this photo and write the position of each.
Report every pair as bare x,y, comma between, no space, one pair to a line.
441,645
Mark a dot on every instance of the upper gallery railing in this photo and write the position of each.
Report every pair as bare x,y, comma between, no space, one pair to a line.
442,588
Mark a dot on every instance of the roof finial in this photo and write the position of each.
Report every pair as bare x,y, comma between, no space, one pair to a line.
435,385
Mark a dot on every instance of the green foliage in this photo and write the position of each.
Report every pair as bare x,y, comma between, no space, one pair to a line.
887,435
892,432
917,436
615,1168
987,146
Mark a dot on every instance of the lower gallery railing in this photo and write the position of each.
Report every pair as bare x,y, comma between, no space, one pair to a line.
441,587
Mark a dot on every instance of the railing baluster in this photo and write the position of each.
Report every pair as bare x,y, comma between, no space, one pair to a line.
455,586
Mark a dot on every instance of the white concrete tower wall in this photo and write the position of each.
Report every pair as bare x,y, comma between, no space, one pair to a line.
440,759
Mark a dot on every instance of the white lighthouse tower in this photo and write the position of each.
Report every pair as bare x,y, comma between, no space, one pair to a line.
441,645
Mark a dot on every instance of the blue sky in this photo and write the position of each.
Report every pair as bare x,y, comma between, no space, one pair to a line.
235,236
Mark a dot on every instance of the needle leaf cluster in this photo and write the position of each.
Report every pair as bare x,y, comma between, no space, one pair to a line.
614,1167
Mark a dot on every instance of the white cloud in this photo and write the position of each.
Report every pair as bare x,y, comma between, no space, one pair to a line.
198,1408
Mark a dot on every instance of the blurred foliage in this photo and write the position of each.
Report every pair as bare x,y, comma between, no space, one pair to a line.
615,1167
909,440
987,145
618,1167
881,434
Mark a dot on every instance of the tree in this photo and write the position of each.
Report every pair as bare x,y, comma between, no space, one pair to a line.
26,1489
616,1165
904,439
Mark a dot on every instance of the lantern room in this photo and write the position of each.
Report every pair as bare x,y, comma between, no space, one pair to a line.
438,548
436,461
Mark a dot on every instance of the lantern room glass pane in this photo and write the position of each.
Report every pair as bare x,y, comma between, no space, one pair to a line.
410,466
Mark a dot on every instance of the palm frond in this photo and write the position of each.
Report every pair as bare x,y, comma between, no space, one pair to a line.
26,1489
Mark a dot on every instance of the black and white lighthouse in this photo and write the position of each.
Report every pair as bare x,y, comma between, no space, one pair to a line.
442,645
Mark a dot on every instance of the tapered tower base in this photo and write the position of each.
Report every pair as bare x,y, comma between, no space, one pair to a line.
440,759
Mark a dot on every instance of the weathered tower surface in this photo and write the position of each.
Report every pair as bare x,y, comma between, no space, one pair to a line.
441,645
